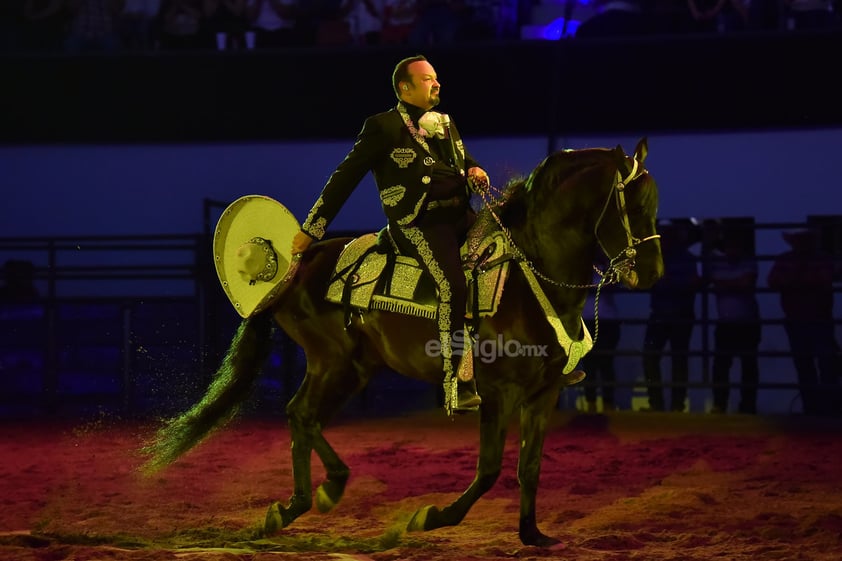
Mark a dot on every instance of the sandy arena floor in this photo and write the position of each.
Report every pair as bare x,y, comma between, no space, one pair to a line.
652,487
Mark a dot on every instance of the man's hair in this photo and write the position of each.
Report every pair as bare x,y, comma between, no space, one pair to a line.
401,73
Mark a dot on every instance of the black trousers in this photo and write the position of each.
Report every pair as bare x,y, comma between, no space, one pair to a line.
736,340
599,363
659,332
815,356
434,240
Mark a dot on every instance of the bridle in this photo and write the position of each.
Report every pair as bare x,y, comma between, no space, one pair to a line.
623,262
620,264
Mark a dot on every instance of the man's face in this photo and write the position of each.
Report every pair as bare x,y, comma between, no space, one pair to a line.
423,91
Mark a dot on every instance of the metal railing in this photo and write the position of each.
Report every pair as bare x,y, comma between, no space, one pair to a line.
138,324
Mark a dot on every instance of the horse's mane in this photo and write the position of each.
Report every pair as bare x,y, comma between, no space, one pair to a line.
552,173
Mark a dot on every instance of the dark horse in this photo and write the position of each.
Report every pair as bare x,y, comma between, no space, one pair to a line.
574,204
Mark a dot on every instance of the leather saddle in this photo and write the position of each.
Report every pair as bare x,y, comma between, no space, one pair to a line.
371,275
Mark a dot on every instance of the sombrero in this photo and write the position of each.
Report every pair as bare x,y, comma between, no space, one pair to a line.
252,247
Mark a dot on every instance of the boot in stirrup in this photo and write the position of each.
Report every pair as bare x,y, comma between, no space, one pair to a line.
467,399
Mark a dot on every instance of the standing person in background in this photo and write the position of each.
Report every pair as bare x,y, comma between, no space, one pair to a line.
733,277
226,23
808,15
399,17
599,363
616,19
672,314
136,24
180,24
804,277
437,23
720,16
365,20
424,176
274,23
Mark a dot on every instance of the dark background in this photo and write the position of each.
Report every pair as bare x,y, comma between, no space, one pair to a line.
681,83
143,353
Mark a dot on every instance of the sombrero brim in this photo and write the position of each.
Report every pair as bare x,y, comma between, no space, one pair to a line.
244,219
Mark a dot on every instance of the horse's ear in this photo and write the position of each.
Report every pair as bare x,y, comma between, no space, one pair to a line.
641,150
620,156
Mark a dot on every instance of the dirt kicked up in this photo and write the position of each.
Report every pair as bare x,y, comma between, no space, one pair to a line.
628,486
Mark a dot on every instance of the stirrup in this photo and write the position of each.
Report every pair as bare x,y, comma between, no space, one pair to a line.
465,370
467,398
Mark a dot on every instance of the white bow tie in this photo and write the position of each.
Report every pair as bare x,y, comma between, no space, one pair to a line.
432,124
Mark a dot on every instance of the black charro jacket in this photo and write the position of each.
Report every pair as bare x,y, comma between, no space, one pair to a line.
402,162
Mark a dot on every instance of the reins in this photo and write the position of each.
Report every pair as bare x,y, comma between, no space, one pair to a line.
621,263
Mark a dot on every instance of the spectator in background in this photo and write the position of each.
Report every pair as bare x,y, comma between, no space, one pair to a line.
399,17
320,22
733,277
672,314
332,24
438,23
136,24
274,22
616,19
804,277
180,24
720,16
810,14
93,25
599,363
365,20
226,23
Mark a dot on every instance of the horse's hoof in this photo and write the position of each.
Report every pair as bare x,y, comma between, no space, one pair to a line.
419,520
537,539
274,522
323,500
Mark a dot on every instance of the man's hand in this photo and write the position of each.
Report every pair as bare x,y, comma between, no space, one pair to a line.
300,242
478,180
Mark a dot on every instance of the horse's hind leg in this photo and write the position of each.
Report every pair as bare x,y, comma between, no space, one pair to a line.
279,516
320,395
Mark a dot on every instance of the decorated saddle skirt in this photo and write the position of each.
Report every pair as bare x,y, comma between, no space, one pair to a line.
367,277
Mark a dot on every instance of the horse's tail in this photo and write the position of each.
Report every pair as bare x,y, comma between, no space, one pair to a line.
232,384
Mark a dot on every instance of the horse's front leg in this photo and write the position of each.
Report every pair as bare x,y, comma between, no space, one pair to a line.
330,491
533,430
494,412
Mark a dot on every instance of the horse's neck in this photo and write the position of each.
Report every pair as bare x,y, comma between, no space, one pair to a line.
561,261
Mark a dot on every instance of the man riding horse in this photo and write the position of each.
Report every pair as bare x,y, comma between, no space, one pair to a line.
424,175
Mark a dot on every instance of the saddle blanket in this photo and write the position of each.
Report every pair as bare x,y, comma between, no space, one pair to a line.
362,279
